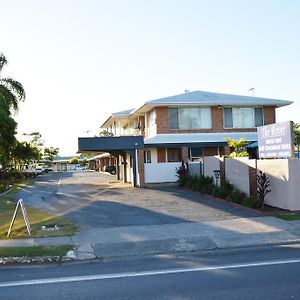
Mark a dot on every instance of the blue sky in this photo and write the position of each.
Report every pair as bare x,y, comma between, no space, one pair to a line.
80,60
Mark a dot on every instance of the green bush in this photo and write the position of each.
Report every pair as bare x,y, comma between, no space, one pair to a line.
251,202
182,174
204,184
13,174
223,191
2,187
236,197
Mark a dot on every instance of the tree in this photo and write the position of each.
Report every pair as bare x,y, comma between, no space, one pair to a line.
74,161
11,91
35,139
7,135
50,152
24,153
296,132
105,133
238,146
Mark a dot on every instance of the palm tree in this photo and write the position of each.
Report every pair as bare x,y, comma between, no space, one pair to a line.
296,132
11,91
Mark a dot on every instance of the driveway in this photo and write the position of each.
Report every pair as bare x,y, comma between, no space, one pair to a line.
90,200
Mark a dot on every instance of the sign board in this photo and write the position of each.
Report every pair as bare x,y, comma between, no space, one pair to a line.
275,140
25,217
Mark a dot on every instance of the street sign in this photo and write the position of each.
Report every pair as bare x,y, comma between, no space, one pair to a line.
25,217
275,140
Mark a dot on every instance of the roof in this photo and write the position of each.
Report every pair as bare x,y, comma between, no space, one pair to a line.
108,144
212,99
201,98
199,138
123,113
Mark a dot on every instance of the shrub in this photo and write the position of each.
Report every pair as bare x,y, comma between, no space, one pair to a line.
204,184
236,197
13,174
263,184
224,190
2,187
183,174
252,202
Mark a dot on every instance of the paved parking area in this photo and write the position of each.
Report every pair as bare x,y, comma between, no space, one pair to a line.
94,200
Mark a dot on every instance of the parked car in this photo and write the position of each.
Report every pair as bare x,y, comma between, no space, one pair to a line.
79,168
110,169
40,168
48,169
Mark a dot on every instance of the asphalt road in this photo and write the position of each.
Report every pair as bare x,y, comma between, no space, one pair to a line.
255,273
90,199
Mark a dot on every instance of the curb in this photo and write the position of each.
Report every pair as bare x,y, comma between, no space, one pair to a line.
236,205
6,192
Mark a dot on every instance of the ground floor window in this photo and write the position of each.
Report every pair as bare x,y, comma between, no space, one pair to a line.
147,157
196,152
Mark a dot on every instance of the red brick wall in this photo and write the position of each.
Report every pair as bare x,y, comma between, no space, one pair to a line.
269,115
185,154
210,151
162,121
161,155
141,166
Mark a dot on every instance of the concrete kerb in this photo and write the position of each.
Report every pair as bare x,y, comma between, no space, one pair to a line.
258,212
210,236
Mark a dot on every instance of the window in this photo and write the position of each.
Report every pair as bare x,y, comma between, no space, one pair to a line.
189,118
259,118
243,117
196,152
147,156
174,154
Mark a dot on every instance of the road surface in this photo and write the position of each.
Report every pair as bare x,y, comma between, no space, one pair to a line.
255,273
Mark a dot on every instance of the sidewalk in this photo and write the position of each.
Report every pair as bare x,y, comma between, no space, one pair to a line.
171,238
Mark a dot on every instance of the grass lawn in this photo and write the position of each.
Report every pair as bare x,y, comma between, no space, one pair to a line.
36,216
35,251
289,217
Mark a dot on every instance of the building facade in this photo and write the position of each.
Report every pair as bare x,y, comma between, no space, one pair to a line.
186,127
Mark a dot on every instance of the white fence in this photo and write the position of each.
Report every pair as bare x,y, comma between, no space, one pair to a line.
161,172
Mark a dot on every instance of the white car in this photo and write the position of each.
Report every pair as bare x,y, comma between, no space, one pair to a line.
39,168
79,168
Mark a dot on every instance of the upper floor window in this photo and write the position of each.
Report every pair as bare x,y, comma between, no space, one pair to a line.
243,117
189,118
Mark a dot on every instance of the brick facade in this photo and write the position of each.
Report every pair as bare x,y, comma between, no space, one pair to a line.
185,154
269,115
141,167
161,155
162,121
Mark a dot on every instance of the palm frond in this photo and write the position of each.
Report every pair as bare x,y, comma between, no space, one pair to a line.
8,98
3,61
15,87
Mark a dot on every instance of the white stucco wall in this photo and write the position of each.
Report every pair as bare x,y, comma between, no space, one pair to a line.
237,172
284,182
161,172
211,163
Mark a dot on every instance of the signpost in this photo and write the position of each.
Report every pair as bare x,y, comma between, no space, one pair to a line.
25,217
276,140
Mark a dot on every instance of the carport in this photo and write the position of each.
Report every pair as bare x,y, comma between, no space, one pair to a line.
118,147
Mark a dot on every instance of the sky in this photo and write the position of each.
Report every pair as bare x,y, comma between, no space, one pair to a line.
81,60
